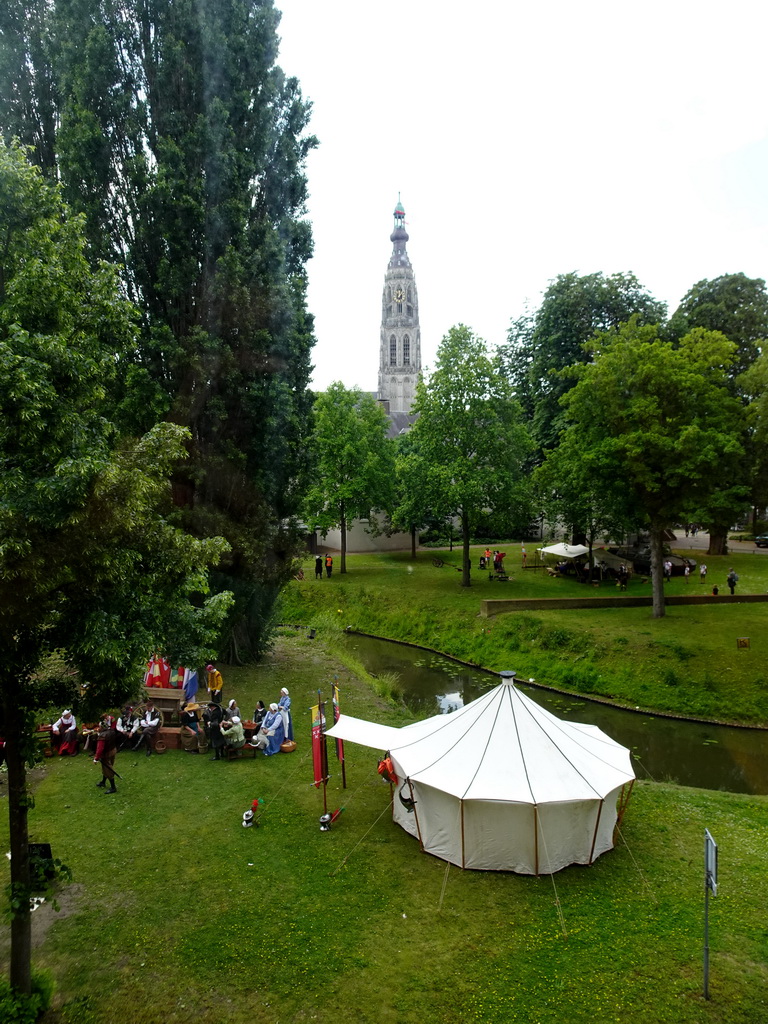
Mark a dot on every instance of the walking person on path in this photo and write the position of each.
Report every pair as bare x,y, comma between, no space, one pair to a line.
732,579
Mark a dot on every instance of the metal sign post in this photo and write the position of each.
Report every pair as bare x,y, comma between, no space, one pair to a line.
710,883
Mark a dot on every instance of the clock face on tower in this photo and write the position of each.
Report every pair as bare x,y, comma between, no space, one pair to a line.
399,295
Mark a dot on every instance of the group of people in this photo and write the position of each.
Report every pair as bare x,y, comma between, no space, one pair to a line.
220,726
494,561
319,566
223,727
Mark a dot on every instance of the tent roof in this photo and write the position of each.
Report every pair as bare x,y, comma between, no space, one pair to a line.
565,550
501,747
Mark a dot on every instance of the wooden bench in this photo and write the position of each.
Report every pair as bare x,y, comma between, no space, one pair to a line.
238,753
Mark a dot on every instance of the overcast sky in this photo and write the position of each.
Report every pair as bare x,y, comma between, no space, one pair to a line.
526,140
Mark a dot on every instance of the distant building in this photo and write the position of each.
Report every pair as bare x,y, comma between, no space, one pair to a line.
400,341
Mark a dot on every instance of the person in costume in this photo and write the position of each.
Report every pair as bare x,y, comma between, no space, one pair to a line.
285,711
190,728
271,734
149,724
215,684
127,726
106,749
64,733
233,711
259,713
214,716
232,733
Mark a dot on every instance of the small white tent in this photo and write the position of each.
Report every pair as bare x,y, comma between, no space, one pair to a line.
502,784
569,551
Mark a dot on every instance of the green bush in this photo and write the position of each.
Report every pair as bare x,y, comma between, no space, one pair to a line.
19,1009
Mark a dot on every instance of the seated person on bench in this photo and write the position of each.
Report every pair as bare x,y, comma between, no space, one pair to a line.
232,733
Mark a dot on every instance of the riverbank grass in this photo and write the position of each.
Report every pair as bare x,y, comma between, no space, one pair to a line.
689,662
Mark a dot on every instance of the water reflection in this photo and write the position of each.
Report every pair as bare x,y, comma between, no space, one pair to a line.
663,749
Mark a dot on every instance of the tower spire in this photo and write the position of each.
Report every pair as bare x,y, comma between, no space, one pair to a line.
400,342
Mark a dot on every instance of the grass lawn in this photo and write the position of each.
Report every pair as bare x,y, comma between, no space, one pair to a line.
686,662
179,914
176,913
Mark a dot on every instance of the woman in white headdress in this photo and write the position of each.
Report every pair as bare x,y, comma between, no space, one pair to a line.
285,710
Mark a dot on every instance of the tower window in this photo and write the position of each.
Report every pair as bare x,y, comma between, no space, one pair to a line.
393,351
406,350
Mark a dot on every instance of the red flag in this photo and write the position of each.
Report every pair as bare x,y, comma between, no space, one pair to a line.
317,744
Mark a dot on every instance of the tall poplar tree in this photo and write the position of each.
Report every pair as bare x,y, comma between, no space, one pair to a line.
175,132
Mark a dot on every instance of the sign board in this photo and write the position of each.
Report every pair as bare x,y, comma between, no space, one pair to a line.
710,862
742,641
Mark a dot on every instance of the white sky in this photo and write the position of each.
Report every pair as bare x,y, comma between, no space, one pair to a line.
526,140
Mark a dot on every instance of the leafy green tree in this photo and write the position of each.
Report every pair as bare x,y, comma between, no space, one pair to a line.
735,305
178,136
659,419
468,443
754,384
573,310
573,490
353,459
95,575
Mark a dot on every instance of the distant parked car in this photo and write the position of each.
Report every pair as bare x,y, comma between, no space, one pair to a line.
762,540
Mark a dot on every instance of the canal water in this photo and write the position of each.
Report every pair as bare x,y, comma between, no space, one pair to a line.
663,749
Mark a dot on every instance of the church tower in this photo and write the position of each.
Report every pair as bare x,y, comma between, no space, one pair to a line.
400,356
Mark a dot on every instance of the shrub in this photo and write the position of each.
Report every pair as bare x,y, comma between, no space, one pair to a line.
19,1009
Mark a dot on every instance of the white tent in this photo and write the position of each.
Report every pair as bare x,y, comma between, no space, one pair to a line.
503,785
565,550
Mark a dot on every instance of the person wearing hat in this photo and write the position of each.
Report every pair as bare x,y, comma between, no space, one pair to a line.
233,711
106,749
285,711
64,733
190,728
213,716
149,723
232,733
214,683
271,734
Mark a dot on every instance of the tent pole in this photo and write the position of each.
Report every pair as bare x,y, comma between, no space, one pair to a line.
461,809
624,801
597,826
536,836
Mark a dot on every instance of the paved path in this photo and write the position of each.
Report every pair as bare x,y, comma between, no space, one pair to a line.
701,543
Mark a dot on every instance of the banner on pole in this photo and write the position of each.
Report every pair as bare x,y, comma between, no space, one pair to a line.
336,717
317,744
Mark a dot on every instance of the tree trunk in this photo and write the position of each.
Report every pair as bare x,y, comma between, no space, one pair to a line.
413,543
718,541
343,531
18,808
657,571
466,564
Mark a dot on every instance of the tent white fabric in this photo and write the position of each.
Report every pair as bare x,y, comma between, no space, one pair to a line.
502,784
565,550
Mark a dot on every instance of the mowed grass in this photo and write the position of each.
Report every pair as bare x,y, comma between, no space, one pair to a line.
687,662
179,914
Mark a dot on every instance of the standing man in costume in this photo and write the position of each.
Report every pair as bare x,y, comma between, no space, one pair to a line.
215,684
106,748
214,716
